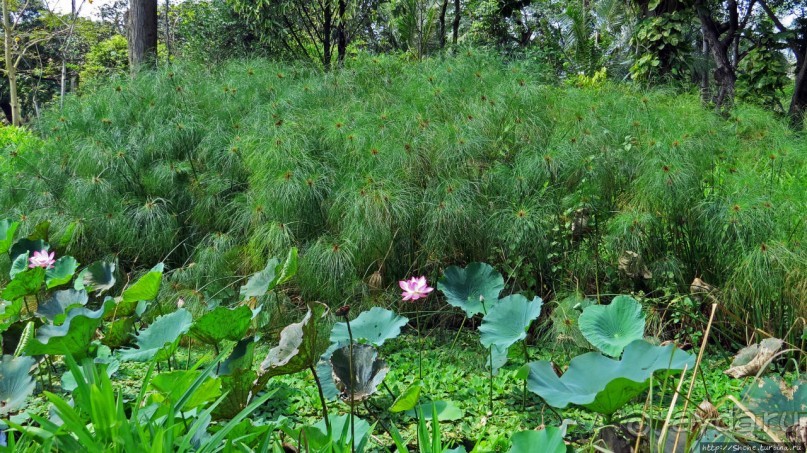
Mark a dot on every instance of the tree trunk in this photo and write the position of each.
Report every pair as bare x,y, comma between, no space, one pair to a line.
442,23
142,33
705,94
798,103
11,69
725,76
455,28
341,36
327,29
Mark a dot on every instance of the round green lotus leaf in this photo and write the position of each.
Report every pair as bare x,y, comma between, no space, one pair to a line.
159,340
55,307
547,440
262,281
174,384
24,284
610,328
62,271
73,336
222,323
508,320
375,325
468,288
368,371
16,382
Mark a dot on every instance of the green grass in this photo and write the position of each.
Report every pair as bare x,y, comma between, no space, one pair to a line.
404,168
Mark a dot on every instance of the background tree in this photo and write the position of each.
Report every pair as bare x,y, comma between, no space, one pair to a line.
142,33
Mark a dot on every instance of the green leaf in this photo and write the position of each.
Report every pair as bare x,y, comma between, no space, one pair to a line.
159,340
222,323
62,271
55,308
20,264
612,327
7,230
40,232
119,332
73,337
261,282
174,384
300,347
446,411
547,440
408,399
98,276
16,383
25,284
782,404
27,245
9,313
340,434
508,320
288,270
375,325
467,288
146,287
602,384
368,371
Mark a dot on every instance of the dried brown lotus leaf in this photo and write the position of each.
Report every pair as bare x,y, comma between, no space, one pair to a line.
750,360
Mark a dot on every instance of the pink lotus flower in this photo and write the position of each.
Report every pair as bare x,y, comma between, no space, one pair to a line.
415,288
42,259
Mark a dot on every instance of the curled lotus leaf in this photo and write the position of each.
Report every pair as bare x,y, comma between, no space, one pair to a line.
368,371
753,359
300,346
72,337
159,340
55,308
602,384
471,288
98,276
547,440
507,321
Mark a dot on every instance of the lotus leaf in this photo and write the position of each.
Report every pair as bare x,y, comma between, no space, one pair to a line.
325,376
780,405
446,411
752,360
368,371
262,281
119,332
27,245
602,384
497,356
7,230
62,271
55,308
24,284
20,264
98,276
375,325
300,347
16,382
72,337
159,340
222,323
237,379
146,287
468,288
507,321
612,327
9,313
547,440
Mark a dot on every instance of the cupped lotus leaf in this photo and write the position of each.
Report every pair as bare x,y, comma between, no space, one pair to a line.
98,276
325,376
222,323
7,230
72,337
26,245
241,357
547,440
40,231
468,288
368,371
409,398
159,340
375,325
507,321
603,384
9,313
300,347
174,384
20,264
262,281
24,284
146,287
446,411
16,382
55,308
610,328
61,272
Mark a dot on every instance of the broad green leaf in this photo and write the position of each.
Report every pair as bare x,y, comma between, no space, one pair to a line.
408,399
146,287
57,305
547,440
40,232
610,328
602,384
73,337
468,288
98,276
62,271
222,323
782,404
288,269
9,313
24,284
368,371
241,357
7,230
159,340
375,325
20,264
119,332
16,383
446,411
300,346
508,320
174,384
27,245
261,282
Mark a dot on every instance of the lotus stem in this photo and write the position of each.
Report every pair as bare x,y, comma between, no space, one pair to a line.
490,363
322,400
457,337
420,342
352,387
524,388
